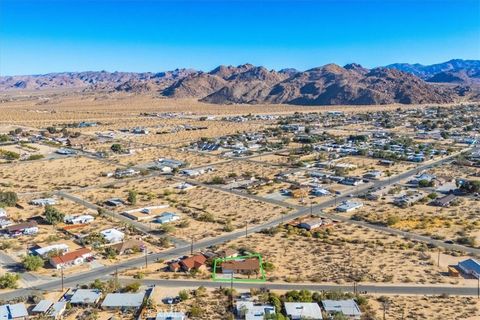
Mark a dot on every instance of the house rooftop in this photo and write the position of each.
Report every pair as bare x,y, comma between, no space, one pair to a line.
70,256
348,307
85,296
122,300
43,306
13,311
470,264
243,265
303,310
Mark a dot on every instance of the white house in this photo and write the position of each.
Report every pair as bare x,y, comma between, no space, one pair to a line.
43,202
69,259
81,219
348,308
113,235
303,310
61,247
348,206
167,217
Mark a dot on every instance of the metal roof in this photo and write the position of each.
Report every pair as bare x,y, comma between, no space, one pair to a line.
119,300
348,307
303,310
43,306
85,296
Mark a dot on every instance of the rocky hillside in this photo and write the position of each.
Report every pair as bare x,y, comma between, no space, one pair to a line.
248,84
453,71
327,85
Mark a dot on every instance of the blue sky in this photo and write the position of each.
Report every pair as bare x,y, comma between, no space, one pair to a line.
40,36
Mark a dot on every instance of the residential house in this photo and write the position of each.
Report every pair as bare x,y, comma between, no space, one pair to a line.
470,267
25,228
43,202
348,308
167,217
303,310
170,316
114,202
113,235
73,258
57,310
16,311
249,311
195,262
129,246
42,307
123,300
374,174
408,199
44,251
85,297
81,219
5,223
444,201
146,213
319,192
348,206
310,224
246,266
3,213
228,253
123,173
184,186
351,181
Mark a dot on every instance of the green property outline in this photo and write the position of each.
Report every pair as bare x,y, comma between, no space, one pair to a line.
254,255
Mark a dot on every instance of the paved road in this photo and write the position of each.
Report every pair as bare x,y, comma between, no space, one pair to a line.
9,263
182,250
142,227
369,288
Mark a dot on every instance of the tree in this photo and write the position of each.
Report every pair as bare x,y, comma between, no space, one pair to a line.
132,287
117,148
9,281
8,199
132,197
32,263
184,295
53,215
195,311
425,183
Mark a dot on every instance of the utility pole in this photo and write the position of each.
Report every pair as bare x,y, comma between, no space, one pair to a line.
311,209
438,262
146,257
62,278
246,229
191,246
231,294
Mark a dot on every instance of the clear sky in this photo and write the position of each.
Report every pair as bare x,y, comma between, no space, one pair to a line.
40,36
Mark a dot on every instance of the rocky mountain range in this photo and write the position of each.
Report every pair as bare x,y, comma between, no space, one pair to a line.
455,80
453,71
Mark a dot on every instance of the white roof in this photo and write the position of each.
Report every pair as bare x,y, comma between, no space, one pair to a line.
85,296
11,311
170,316
112,234
47,249
301,310
43,306
120,300
347,307
58,308
3,212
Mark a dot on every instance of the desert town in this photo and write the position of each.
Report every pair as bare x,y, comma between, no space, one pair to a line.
172,209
